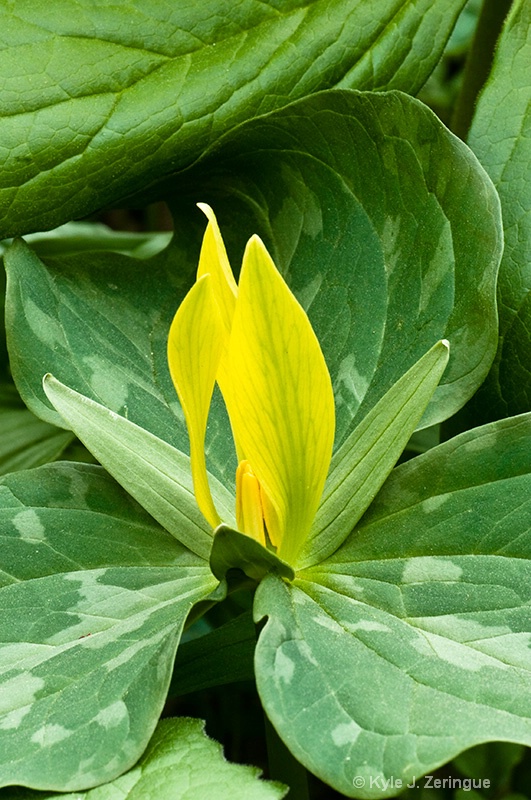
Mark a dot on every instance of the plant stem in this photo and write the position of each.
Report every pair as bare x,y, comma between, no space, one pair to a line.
283,766
479,62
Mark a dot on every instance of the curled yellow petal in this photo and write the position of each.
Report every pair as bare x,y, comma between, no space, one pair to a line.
195,345
213,261
279,398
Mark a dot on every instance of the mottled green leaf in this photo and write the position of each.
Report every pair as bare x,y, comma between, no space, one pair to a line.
412,642
99,346
157,475
98,101
357,200
101,327
93,601
501,138
42,510
180,763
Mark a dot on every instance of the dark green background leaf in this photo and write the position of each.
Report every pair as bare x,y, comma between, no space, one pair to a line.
501,138
99,101
225,655
26,441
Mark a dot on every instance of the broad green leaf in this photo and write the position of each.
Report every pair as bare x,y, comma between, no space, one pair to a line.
154,473
480,457
93,601
26,441
97,102
364,461
501,138
372,234
104,351
180,763
4,370
413,639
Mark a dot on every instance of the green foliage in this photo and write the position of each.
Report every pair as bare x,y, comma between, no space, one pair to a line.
100,101
401,637
501,138
94,596
380,258
419,599
180,762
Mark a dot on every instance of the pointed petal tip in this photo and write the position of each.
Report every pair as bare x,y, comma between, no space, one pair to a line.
256,243
208,211
446,343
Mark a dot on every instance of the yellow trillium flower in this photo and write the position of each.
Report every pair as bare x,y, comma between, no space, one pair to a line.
256,341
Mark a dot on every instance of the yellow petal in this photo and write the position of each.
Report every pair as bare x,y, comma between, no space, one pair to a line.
195,344
279,399
213,261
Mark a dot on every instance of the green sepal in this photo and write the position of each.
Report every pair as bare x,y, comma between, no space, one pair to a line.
362,464
156,474
234,550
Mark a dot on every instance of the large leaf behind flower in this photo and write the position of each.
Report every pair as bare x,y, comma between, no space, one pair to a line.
501,137
99,100
356,196
413,641
93,597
